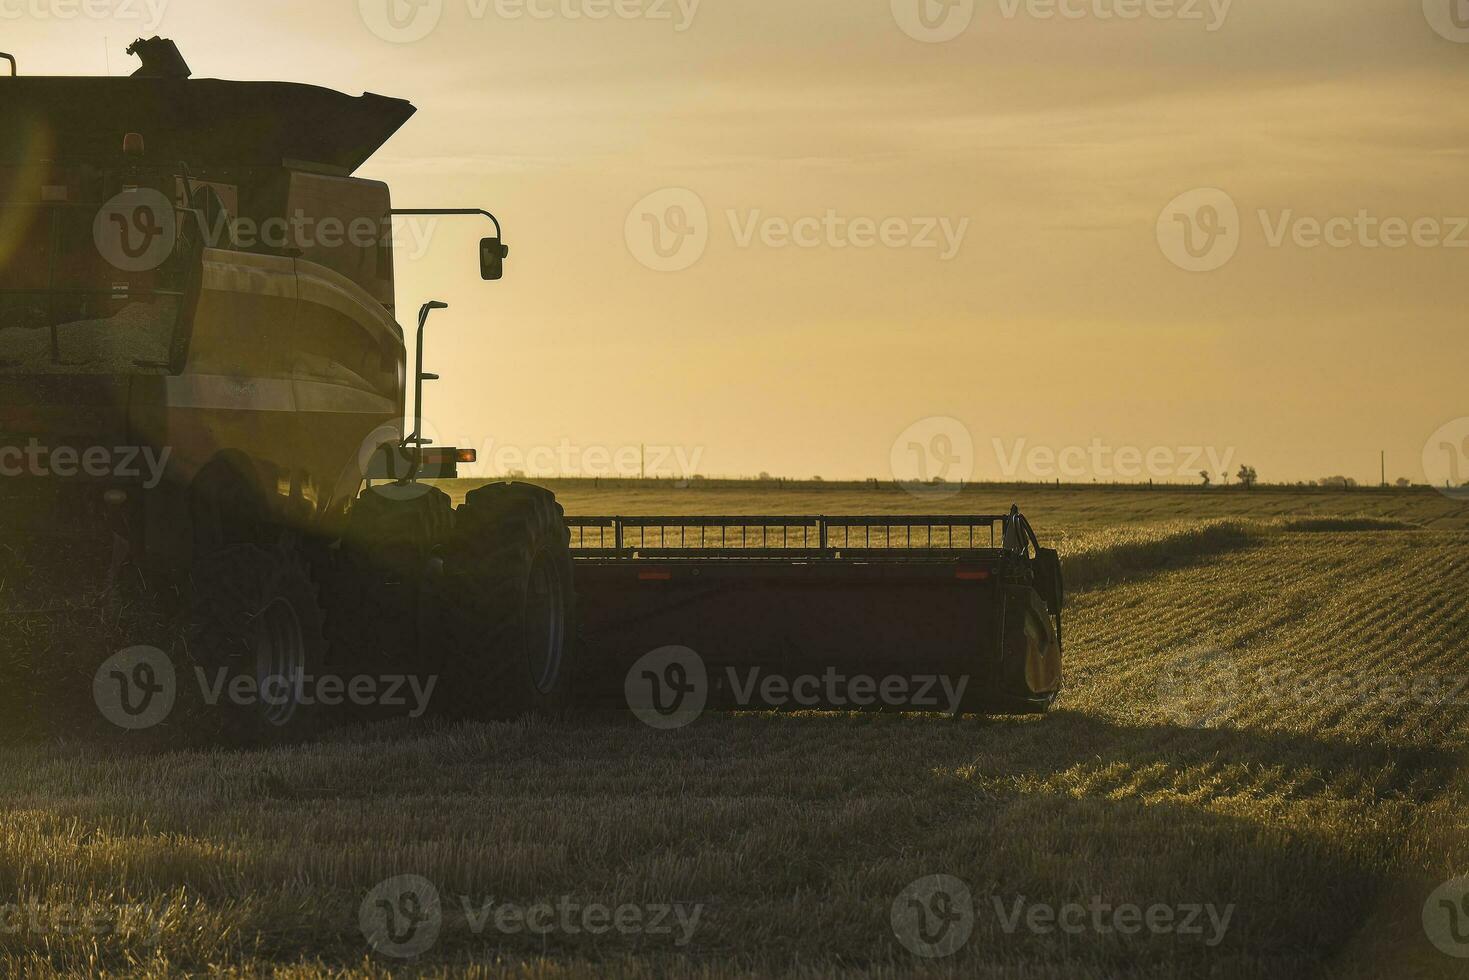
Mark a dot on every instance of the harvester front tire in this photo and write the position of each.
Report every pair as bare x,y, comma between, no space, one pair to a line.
382,601
511,604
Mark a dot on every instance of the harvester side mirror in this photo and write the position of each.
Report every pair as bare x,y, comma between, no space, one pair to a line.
492,255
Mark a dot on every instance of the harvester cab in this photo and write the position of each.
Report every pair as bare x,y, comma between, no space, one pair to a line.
190,270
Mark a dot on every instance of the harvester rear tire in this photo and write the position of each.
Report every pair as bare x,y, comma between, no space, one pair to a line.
256,615
508,585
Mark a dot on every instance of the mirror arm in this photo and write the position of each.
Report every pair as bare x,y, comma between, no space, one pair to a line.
471,212
449,212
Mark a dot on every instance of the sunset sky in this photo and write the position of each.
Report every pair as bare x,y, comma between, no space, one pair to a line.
1054,143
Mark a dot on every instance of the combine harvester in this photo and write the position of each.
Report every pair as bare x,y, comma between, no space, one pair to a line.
156,304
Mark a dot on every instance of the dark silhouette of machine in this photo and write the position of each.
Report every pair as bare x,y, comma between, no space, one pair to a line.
156,293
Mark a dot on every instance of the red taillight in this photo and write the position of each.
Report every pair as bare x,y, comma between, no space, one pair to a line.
655,575
443,456
972,575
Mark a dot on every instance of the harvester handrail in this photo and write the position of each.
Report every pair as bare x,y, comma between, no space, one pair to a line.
792,536
788,520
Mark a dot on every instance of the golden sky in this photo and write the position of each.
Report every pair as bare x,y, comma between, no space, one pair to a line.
1054,315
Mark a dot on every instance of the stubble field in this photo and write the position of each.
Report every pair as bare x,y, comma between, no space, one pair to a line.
1262,750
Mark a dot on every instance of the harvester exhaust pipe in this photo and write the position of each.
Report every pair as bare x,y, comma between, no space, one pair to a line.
10,58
